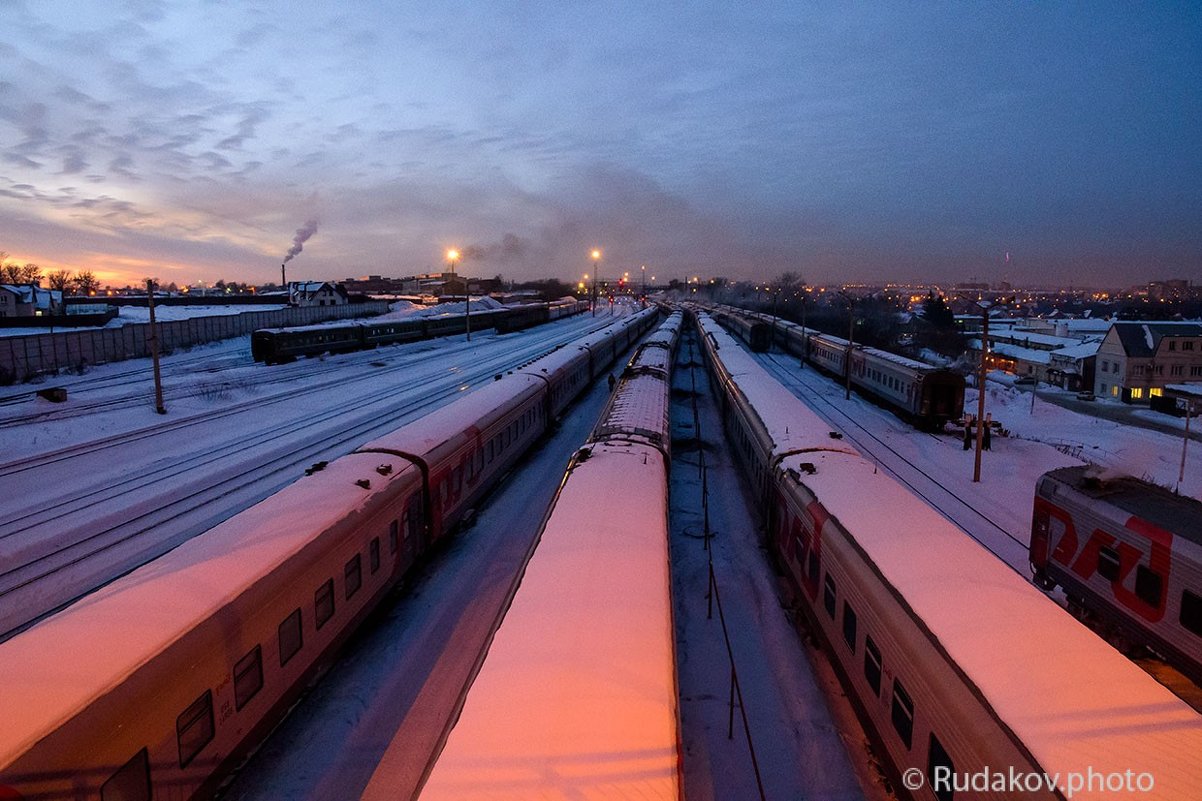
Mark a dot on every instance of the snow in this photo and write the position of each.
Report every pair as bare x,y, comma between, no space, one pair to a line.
577,695
141,314
1148,338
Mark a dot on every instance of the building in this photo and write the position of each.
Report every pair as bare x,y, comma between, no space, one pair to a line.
29,300
316,293
1066,361
1137,360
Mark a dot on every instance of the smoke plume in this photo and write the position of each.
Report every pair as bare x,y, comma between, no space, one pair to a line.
302,236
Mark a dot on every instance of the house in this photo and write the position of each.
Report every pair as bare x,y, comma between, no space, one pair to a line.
1137,360
29,300
316,293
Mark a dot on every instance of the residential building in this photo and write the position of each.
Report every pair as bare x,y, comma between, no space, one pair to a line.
316,293
1137,360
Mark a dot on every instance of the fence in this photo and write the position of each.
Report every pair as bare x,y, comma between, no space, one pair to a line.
24,357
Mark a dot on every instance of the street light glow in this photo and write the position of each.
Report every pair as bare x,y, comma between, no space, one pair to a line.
452,255
596,254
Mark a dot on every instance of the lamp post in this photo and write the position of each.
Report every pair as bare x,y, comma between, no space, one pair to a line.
1189,411
154,349
596,254
805,334
851,332
452,257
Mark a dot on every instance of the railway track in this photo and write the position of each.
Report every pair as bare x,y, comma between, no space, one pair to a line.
54,553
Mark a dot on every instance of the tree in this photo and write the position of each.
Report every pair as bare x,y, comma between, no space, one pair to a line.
86,283
937,313
935,328
30,274
60,280
10,273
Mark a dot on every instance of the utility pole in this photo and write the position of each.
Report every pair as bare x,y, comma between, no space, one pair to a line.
985,305
851,331
1189,411
154,350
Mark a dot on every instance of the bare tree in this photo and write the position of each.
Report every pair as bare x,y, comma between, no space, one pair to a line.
30,274
10,273
86,283
60,280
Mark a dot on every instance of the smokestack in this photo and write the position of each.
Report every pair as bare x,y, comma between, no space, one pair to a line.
284,276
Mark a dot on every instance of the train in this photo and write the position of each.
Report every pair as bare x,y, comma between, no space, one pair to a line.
1128,555
159,683
926,395
960,669
577,696
281,345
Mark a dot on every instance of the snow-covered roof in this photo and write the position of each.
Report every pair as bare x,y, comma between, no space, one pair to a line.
1080,351
577,697
1142,339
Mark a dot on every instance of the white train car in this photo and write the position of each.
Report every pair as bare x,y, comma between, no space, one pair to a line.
956,665
577,695
154,686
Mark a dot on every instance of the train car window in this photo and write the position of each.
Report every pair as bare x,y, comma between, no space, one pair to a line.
415,518
1108,563
248,677
480,460
458,479
352,575
902,713
194,728
872,665
813,568
323,602
291,637
373,554
131,782
828,595
1191,612
849,626
937,759
1148,585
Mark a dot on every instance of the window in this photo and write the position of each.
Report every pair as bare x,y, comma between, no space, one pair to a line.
828,595
248,677
1191,612
323,602
812,568
1148,585
902,713
937,759
353,575
373,554
1187,345
849,626
872,665
1195,370
1155,392
1172,344
393,529
131,782
194,728
1105,366
291,637
1108,564
1177,369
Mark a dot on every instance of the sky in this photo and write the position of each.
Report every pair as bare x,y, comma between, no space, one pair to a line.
901,141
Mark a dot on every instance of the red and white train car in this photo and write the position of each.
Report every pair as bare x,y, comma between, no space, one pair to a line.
958,667
1128,554
576,697
154,686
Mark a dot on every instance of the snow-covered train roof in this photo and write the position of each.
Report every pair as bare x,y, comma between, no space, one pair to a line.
1073,700
1178,514
788,421
577,696
121,626
637,411
656,352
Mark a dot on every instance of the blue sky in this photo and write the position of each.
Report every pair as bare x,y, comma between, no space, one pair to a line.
842,141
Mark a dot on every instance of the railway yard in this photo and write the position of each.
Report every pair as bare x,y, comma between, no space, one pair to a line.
540,533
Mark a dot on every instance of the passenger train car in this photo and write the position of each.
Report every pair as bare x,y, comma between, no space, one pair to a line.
156,685
278,345
956,665
576,697
1129,557
927,395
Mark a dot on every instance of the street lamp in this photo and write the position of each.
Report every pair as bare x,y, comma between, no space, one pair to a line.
984,305
596,254
452,257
